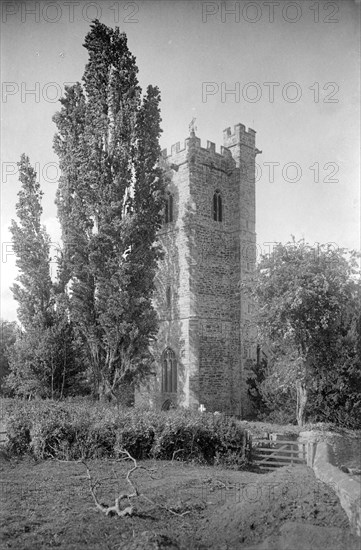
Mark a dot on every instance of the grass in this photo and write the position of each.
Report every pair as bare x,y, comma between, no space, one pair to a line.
48,504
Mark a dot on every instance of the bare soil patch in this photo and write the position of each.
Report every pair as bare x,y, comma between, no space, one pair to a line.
48,505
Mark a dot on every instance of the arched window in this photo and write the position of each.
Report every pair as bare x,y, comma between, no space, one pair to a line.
168,214
217,206
169,371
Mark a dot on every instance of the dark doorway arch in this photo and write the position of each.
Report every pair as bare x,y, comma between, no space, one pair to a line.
168,405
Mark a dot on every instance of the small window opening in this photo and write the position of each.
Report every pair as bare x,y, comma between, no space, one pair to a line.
217,206
168,214
169,297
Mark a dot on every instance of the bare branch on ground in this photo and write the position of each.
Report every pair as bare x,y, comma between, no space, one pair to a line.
130,509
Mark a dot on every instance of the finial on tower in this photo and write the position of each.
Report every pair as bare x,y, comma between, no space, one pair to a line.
192,127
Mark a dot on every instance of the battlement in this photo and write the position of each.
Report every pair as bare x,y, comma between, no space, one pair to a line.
239,135
195,142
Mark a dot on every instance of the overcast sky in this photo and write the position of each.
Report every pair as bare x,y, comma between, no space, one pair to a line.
294,71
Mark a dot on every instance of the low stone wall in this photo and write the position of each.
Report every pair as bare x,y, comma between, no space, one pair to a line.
347,490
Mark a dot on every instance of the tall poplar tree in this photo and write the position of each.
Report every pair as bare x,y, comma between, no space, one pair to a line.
43,359
31,246
33,289
110,199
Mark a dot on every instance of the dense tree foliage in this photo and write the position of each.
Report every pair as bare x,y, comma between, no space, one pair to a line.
8,331
110,199
42,360
308,316
95,324
33,289
31,246
336,387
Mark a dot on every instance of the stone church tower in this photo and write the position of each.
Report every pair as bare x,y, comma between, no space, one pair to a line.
210,242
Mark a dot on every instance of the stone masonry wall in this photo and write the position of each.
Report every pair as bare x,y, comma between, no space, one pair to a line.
204,264
241,144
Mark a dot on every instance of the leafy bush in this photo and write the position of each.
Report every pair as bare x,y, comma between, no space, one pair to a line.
188,435
73,430
50,437
18,432
135,434
231,447
278,417
183,436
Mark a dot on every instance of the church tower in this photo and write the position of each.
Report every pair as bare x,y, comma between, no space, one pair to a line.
210,244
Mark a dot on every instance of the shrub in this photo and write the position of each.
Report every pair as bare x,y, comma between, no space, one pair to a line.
50,438
188,435
278,417
179,437
18,432
135,434
75,430
90,439
230,449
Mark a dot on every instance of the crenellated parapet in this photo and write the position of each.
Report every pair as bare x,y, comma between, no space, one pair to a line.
239,136
194,143
231,137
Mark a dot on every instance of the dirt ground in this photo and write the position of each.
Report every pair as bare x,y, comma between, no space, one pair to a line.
49,505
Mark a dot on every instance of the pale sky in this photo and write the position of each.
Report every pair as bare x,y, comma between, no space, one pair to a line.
294,71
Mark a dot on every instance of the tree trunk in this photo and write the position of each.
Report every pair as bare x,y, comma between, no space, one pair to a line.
64,371
52,377
105,392
301,402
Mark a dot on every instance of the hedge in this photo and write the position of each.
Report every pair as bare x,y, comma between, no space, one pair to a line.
72,431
